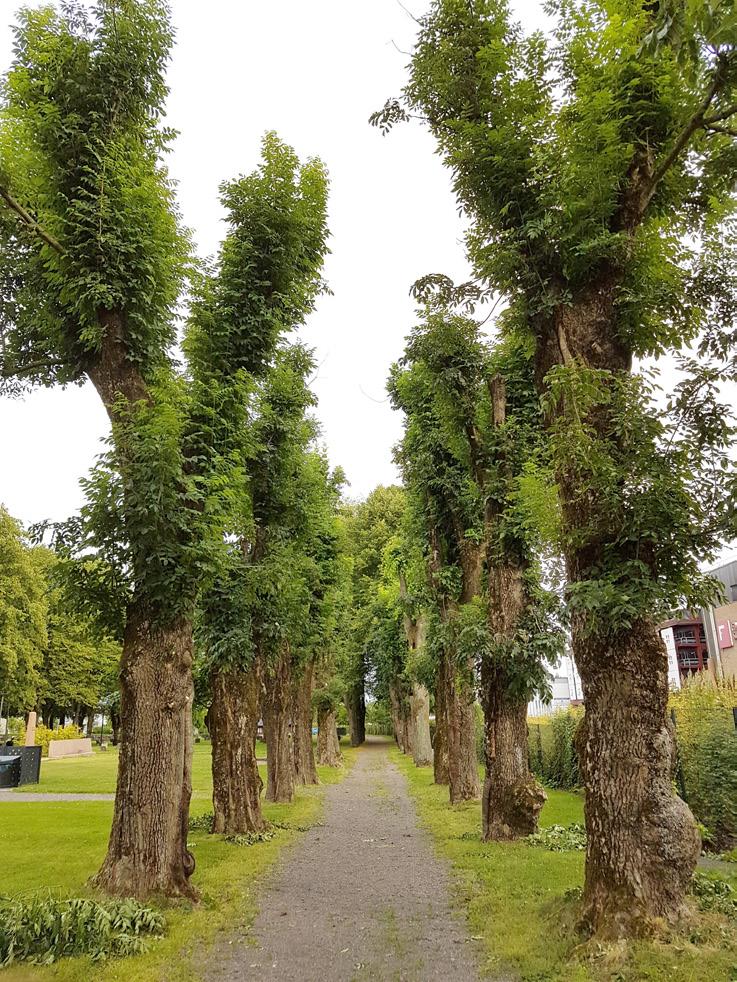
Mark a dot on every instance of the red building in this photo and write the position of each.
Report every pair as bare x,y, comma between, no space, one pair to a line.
690,640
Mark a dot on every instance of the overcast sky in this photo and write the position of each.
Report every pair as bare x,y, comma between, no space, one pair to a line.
313,70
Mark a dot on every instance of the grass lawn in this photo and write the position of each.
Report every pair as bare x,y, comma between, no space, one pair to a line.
97,774
56,846
516,902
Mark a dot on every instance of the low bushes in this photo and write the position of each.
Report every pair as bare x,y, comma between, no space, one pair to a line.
40,931
44,736
553,756
707,747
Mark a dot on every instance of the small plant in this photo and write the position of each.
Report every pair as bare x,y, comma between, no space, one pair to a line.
559,838
714,894
250,838
40,931
201,823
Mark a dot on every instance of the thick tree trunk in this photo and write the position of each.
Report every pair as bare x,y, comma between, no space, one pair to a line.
328,745
463,774
440,743
512,798
90,721
356,707
419,702
275,711
233,720
147,852
643,845
304,754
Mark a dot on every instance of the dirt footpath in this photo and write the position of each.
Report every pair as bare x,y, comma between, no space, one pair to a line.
361,897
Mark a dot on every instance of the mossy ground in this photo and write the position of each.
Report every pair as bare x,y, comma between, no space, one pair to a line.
521,902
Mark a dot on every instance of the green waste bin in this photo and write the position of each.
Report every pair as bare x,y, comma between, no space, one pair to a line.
9,772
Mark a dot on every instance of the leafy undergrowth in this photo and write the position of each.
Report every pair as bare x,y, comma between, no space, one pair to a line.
522,901
57,846
42,930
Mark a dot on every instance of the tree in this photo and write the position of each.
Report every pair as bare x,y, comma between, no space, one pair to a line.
23,612
95,264
265,284
590,165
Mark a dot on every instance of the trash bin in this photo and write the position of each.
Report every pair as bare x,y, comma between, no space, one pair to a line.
9,772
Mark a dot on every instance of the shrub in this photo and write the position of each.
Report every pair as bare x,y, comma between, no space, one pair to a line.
707,746
553,757
559,838
714,894
42,930
44,736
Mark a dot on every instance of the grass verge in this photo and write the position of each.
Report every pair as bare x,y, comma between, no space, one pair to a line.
56,846
520,901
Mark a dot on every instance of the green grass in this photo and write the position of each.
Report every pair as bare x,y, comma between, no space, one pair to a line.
97,774
56,846
515,896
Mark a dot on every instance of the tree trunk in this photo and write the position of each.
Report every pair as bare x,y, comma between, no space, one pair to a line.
147,852
463,774
233,718
356,706
643,845
642,841
440,743
512,798
304,754
115,726
420,724
275,711
90,721
328,745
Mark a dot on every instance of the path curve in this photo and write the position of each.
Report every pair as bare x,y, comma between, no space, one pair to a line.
361,897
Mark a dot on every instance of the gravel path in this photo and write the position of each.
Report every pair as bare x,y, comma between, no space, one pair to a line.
362,897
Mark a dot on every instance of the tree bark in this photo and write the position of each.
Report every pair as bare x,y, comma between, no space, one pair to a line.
90,721
304,753
420,725
512,799
440,743
275,711
328,745
233,721
147,852
643,844
115,726
356,707
463,774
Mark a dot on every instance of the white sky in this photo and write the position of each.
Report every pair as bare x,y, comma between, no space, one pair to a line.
313,70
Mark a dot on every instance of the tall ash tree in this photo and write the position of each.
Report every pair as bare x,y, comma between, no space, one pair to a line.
590,165
264,285
485,415
92,266
445,497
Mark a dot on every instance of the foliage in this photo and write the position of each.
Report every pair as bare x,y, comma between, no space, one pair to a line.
23,612
707,746
250,838
595,164
559,838
44,735
41,931
715,894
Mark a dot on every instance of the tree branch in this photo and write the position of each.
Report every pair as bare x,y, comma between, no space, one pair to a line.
29,221
716,128
33,366
696,122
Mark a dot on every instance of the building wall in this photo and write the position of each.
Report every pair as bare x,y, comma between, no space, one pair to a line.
728,614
